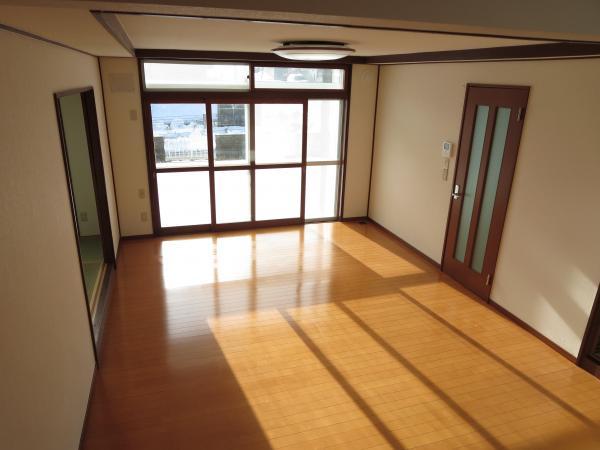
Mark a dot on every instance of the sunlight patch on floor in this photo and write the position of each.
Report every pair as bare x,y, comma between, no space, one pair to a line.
377,258
297,401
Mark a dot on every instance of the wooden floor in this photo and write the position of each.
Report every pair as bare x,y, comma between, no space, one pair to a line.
324,336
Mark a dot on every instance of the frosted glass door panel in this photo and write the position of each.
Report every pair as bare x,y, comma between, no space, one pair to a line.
466,213
491,186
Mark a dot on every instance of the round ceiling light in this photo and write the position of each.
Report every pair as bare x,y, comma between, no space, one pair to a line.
313,50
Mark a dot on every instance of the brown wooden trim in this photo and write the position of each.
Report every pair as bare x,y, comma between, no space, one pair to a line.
249,225
251,96
351,26
63,144
182,169
108,141
251,157
461,140
43,39
111,23
373,140
150,162
341,196
404,243
303,165
134,237
510,316
263,58
104,298
88,104
279,165
514,52
98,176
211,163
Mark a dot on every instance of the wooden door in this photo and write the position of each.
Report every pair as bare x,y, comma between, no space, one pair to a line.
491,130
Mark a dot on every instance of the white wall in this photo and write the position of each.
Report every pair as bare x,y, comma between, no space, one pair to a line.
46,356
126,130
548,268
360,140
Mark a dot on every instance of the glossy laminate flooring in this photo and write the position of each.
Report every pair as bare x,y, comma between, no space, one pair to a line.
323,336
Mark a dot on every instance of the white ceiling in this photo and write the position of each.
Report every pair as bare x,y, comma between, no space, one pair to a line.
158,32
74,27
78,28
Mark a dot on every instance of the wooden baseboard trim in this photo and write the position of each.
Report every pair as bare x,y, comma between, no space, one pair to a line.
404,243
355,219
87,406
99,320
510,316
137,236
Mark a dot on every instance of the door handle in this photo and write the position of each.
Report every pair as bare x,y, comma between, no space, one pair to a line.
456,193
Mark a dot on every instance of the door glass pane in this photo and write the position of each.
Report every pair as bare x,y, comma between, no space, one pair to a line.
230,134
278,133
471,182
196,76
491,185
179,132
298,78
278,193
184,198
232,192
324,130
321,190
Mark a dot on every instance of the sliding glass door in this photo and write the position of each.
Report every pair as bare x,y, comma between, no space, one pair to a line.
229,160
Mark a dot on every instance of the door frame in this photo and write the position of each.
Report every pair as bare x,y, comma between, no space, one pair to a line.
90,117
251,97
504,185
591,340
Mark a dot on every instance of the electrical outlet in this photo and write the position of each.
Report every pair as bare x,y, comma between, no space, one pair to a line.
144,216
141,193
133,115
83,216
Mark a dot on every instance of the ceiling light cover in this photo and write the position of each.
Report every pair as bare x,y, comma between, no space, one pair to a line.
313,51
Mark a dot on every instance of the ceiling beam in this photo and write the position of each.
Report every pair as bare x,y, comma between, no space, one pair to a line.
561,50
111,23
199,55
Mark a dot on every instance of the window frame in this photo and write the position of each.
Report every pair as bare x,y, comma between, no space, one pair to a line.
251,97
